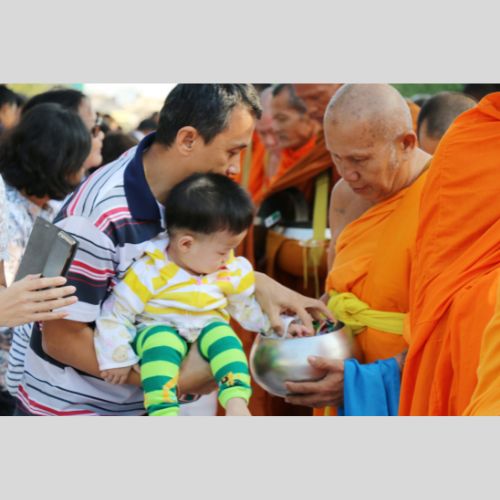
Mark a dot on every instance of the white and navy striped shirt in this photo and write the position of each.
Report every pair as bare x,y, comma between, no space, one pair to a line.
113,215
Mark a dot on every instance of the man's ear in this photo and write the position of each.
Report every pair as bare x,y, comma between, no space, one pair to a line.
185,139
184,243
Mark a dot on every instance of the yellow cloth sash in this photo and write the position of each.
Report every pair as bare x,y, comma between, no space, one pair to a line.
356,314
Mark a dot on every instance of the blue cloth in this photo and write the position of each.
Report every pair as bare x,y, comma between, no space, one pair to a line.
371,389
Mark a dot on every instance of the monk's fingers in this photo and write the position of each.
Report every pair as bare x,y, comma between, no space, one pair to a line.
332,366
311,400
304,387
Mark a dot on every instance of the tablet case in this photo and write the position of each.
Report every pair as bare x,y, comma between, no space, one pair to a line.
49,251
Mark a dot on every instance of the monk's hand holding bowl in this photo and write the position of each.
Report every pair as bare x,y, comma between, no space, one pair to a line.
276,299
328,391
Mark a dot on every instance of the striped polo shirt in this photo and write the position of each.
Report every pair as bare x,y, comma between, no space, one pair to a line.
114,216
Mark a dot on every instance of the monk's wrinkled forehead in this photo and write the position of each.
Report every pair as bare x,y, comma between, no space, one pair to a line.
379,109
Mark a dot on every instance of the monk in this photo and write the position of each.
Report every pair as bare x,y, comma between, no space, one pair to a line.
316,97
260,160
369,133
295,129
456,269
305,162
303,154
436,116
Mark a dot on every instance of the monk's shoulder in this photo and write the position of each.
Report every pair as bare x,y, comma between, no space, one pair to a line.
345,206
341,196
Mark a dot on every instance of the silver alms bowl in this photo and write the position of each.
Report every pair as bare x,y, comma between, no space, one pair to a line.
275,360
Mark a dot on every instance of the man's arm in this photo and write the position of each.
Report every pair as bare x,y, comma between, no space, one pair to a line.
72,343
276,299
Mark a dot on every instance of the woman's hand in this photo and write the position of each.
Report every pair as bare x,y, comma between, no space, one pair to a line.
34,299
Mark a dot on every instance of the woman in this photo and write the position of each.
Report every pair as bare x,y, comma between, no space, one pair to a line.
23,302
79,103
40,160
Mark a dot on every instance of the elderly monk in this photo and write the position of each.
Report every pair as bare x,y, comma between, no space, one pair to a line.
304,155
436,116
369,133
295,129
261,158
456,270
316,97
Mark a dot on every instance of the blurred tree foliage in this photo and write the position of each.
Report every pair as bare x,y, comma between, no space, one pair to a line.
411,89
30,89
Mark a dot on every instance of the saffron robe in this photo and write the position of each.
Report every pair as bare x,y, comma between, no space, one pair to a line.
457,255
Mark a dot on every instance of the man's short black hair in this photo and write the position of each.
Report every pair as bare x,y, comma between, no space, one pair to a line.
39,155
208,203
294,100
440,110
206,107
67,98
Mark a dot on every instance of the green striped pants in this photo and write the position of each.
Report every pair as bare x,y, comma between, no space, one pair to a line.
161,350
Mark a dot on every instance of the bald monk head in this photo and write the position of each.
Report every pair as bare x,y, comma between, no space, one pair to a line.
264,126
436,116
369,133
316,97
292,123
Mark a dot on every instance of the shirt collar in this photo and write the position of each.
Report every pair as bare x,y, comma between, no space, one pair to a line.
141,202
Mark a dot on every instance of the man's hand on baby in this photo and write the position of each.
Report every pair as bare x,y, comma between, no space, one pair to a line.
116,375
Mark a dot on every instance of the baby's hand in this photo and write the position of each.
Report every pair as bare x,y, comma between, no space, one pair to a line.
116,375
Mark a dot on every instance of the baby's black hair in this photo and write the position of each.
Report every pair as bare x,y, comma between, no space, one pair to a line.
209,203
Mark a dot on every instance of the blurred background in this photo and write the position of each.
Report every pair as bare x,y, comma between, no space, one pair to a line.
129,103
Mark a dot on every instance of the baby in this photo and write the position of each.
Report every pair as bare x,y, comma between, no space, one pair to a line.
187,293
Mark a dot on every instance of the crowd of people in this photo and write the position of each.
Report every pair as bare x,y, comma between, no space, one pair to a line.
242,209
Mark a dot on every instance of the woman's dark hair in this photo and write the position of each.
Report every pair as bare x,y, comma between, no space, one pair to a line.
206,107
208,203
44,150
67,98
114,145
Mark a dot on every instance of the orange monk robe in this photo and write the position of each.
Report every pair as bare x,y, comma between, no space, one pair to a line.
302,174
486,397
257,166
373,261
289,157
457,254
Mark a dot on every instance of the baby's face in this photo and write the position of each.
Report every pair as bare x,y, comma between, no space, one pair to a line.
207,253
